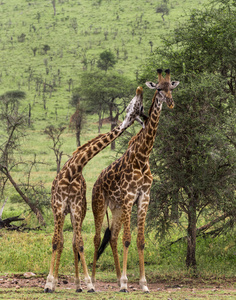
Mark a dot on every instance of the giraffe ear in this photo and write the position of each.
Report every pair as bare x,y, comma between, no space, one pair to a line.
151,85
174,84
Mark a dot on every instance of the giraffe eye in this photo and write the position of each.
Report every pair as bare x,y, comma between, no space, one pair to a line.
159,90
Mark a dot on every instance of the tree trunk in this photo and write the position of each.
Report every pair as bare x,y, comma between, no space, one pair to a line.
58,160
78,125
113,143
34,208
29,118
114,121
78,137
99,121
54,6
191,234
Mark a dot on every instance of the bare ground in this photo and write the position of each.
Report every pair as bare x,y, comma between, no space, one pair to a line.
18,281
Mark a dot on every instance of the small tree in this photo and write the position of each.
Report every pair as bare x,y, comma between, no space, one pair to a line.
46,48
13,124
78,118
151,45
54,135
34,50
163,10
106,60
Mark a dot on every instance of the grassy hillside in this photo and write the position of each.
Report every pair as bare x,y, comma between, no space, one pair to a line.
75,33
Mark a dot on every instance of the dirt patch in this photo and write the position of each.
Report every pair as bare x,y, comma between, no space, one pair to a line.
18,281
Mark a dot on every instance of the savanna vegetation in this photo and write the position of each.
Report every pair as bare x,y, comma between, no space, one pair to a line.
68,69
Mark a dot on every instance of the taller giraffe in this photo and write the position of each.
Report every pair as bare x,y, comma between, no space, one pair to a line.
127,181
68,195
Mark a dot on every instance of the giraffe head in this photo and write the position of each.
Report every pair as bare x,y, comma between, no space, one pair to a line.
134,109
164,88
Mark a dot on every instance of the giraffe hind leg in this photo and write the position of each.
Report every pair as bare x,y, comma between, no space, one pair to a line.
142,210
115,229
57,247
78,248
99,210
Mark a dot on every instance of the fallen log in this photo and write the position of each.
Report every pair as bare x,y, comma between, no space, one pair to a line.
6,222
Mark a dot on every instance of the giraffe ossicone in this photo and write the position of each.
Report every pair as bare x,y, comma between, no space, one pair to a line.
127,181
68,195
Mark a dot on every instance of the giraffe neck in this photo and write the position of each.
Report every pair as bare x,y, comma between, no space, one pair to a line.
85,153
144,144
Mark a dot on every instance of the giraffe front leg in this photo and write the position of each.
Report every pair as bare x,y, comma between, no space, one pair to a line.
50,284
142,210
126,243
124,279
142,280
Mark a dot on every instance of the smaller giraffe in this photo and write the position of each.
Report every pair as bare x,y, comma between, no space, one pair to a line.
135,107
68,195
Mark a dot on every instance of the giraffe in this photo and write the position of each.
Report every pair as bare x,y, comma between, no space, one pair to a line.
68,195
126,182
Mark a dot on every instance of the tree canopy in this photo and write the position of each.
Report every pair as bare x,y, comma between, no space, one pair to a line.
105,92
106,60
194,154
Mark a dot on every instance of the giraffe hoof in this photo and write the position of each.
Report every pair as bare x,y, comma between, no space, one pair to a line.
91,291
47,290
124,291
79,290
146,292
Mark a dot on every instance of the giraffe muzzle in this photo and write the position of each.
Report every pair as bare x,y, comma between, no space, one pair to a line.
170,103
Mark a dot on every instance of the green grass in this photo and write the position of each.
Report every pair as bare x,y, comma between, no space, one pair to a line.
36,293
32,252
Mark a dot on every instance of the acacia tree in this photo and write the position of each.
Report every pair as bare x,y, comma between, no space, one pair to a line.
77,120
54,134
13,125
194,155
106,60
163,9
103,92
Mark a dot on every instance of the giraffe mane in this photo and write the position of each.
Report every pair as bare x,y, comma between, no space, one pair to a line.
135,137
81,148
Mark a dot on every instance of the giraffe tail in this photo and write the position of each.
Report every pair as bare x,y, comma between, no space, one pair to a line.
105,240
